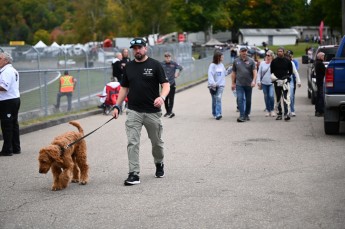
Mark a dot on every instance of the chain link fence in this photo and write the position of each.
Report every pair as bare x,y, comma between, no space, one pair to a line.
40,69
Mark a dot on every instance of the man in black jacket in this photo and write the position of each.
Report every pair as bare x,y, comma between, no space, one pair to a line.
117,68
281,69
320,71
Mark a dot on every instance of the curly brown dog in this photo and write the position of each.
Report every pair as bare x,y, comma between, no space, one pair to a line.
65,161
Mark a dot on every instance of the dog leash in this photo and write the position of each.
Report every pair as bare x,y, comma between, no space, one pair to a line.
78,140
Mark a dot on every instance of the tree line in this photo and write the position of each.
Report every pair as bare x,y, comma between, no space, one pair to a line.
80,21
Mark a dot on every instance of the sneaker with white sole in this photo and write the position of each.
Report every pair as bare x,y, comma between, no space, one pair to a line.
293,114
132,179
159,170
273,114
267,114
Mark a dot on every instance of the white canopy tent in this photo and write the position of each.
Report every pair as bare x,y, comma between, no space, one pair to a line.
55,45
40,44
214,42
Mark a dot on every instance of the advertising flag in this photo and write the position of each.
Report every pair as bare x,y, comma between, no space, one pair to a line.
320,31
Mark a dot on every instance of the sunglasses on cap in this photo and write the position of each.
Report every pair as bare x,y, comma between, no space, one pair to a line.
137,42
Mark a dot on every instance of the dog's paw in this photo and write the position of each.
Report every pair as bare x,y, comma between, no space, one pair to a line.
56,188
83,182
75,180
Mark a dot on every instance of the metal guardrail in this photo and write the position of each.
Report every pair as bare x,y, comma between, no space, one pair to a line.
40,70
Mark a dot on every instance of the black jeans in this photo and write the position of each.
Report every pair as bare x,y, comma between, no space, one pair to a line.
319,104
169,100
9,125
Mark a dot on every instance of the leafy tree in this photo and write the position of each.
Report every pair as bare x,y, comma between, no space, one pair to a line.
42,35
12,26
143,17
266,13
331,15
82,21
201,15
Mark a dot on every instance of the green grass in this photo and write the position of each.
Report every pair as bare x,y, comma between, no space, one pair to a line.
88,83
298,50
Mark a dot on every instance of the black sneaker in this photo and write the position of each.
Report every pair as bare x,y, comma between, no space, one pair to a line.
247,118
318,114
159,170
241,119
132,179
172,115
166,114
2,154
286,117
219,117
279,117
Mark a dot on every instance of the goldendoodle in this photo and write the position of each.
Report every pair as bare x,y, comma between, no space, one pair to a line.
64,160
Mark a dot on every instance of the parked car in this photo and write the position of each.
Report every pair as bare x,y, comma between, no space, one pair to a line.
329,51
68,62
252,50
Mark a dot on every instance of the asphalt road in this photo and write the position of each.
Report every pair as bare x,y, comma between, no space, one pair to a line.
219,174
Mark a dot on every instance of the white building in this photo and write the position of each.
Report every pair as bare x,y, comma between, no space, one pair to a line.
270,36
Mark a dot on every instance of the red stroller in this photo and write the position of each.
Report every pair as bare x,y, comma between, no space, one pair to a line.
109,97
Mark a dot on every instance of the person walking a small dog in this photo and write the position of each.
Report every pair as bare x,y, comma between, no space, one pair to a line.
141,83
9,106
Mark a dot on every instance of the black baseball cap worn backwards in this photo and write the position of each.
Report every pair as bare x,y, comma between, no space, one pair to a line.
137,42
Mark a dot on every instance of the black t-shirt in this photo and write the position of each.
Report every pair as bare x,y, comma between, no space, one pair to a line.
143,80
125,60
281,67
320,71
117,71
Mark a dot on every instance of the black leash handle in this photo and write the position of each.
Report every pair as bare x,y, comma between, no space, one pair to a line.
78,140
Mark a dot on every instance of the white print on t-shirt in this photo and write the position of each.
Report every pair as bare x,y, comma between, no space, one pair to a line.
148,72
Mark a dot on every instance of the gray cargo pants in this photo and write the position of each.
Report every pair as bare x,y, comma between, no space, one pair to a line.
153,124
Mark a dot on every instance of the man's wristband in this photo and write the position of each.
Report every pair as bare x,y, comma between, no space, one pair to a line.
163,97
118,108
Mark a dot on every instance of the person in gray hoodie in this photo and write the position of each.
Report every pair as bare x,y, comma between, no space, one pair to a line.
216,83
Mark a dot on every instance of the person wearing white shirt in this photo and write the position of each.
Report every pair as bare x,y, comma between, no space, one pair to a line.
295,81
9,106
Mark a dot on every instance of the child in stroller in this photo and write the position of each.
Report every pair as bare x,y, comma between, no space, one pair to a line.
109,96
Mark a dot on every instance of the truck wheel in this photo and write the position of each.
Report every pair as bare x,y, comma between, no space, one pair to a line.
331,127
313,98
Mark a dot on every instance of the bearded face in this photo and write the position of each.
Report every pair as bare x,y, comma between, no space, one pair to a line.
139,52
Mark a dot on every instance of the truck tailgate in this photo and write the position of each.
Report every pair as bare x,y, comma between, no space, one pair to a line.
339,77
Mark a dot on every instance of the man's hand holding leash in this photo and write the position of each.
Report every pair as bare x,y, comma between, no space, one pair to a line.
117,111
117,107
